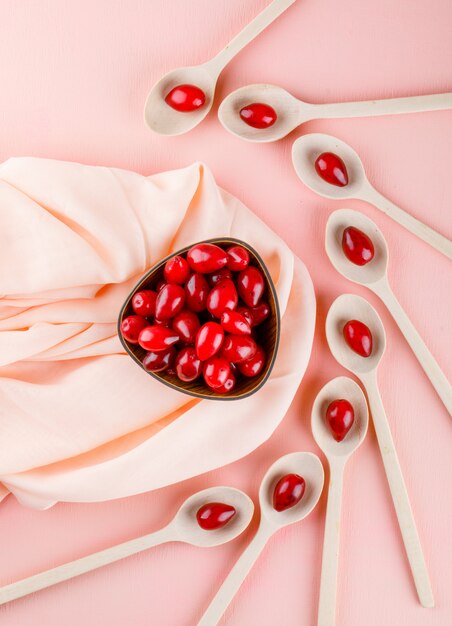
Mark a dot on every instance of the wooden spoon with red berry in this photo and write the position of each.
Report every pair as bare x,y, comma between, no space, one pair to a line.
339,423
358,250
263,112
357,340
181,99
208,518
289,491
331,168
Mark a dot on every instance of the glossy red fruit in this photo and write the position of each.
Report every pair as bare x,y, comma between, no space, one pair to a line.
288,492
143,302
259,313
170,301
235,323
209,340
238,348
238,258
159,286
223,297
188,366
186,324
258,115
132,326
358,337
216,371
340,417
196,292
332,169
159,361
246,312
176,270
254,365
357,246
215,515
251,285
216,277
185,98
206,258
228,385
157,338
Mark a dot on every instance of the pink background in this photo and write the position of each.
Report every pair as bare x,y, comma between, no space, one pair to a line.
74,77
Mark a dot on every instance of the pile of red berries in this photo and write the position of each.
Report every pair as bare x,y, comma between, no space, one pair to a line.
201,319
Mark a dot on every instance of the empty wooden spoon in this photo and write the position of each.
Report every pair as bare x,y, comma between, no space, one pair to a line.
306,150
350,307
374,275
337,453
303,464
292,112
167,121
183,527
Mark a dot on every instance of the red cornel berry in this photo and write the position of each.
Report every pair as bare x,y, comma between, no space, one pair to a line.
132,326
157,338
176,270
251,285
332,169
358,337
357,246
340,417
143,303
206,258
288,492
215,515
258,115
185,98
208,340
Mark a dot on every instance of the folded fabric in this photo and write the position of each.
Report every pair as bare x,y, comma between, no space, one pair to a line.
79,420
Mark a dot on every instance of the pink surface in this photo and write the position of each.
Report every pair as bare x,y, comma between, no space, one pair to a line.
74,80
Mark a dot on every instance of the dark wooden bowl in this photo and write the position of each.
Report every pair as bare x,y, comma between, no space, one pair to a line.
267,333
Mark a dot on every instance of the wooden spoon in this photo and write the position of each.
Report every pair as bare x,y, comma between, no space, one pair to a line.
337,454
183,527
292,112
304,153
374,275
167,121
348,307
310,468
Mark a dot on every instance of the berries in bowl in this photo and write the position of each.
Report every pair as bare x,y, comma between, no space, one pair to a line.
205,320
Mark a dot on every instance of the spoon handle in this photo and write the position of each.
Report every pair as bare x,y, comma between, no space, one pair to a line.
422,353
399,493
330,554
247,34
235,578
418,228
81,566
388,106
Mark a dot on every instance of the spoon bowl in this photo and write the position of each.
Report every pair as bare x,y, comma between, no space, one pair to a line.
162,118
305,151
368,274
288,110
339,388
188,529
350,307
306,465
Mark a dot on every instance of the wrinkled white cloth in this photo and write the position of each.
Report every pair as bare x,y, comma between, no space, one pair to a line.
79,420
